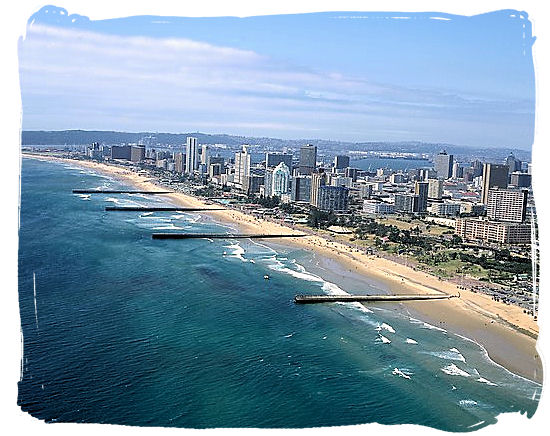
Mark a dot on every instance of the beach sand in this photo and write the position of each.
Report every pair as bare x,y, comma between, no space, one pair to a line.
508,334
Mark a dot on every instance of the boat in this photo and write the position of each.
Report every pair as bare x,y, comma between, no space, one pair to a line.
266,277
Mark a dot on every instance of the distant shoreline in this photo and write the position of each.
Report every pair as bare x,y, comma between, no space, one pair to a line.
504,331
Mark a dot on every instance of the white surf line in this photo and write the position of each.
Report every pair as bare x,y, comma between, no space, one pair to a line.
476,424
34,289
488,358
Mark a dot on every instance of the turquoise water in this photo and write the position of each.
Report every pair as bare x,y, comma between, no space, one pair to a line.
119,328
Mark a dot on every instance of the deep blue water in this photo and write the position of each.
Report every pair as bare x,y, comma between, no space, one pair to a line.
119,328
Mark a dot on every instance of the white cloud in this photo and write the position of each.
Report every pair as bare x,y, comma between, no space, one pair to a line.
201,85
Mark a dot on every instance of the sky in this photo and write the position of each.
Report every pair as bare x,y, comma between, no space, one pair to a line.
349,76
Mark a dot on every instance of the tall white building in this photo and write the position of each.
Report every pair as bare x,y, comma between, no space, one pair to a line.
205,150
242,166
191,155
507,204
280,183
435,188
443,164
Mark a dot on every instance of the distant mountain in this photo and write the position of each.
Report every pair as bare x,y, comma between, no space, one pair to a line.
83,137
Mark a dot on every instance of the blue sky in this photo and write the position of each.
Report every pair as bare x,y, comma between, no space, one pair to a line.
350,76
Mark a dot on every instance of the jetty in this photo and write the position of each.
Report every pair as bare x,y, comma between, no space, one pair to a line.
159,209
225,235
308,299
118,191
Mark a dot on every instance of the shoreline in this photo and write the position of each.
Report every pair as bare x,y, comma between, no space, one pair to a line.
507,334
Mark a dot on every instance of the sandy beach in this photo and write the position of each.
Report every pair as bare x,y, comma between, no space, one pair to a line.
508,334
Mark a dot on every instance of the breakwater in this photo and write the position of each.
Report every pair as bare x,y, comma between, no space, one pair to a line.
118,191
224,236
159,209
308,299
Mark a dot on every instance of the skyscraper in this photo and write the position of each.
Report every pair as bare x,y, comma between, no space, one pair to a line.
317,180
274,159
407,203
507,204
137,153
477,168
301,188
205,151
435,188
458,171
513,163
191,155
494,176
333,198
308,159
341,162
443,164
179,162
421,189
242,166
280,181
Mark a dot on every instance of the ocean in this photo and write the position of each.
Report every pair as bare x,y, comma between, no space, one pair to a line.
122,329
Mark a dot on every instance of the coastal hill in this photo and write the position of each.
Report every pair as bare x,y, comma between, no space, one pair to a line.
84,137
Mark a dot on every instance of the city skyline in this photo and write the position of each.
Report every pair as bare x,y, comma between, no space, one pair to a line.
263,86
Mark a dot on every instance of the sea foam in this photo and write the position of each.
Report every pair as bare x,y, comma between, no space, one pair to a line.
452,369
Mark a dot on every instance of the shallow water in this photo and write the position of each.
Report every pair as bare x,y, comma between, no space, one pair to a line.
129,330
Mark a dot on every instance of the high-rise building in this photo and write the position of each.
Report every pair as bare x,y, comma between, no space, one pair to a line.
308,159
214,169
443,164
407,203
242,166
317,180
421,189
351,172
205,154
191,155
280,181
377,207
301,188
179,162
507,204
458,171
341,162
333,198
95,151
435,189
274,159
447,208
365,191
137,153
513,163
398,178
477,167
341,181
252,183
493,231
494,176
123,152
268,181
520,180
424,174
